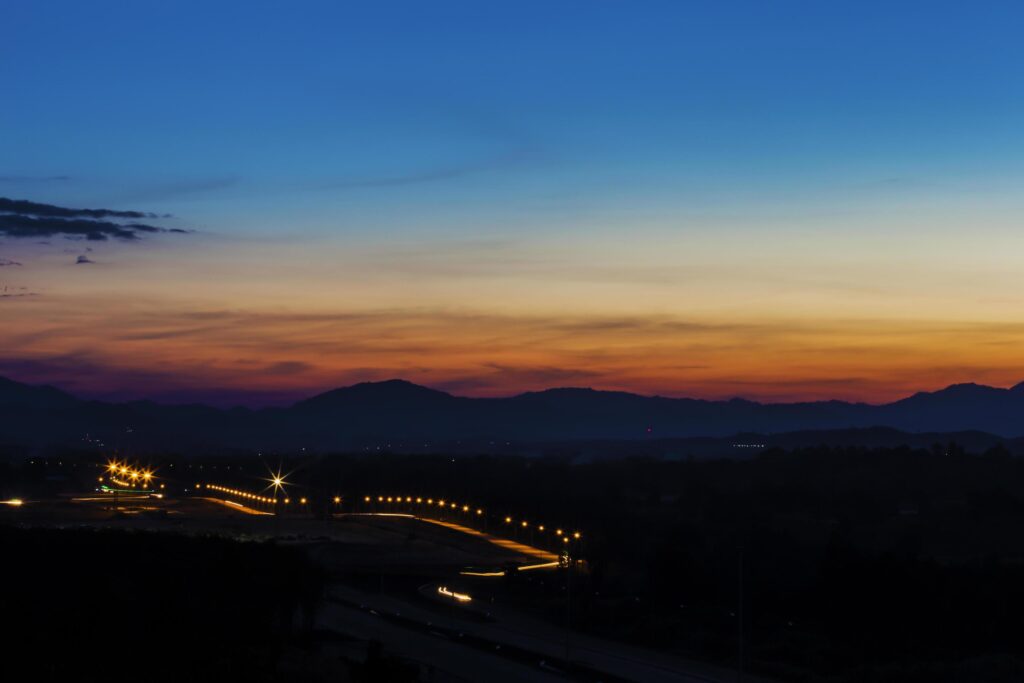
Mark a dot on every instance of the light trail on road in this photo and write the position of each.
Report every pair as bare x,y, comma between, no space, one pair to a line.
238,506
501,542
515,546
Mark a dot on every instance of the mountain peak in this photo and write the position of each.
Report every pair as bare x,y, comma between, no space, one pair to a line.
12,391
396,391
960,390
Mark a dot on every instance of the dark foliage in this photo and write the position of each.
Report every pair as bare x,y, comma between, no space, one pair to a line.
102,605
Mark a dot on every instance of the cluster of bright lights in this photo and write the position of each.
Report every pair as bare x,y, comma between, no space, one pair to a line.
441,503
13,502
255,497
128,476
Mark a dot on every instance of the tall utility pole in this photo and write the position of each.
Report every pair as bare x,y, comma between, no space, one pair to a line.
739,615
568,602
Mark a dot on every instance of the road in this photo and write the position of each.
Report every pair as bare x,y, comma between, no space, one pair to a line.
522,638
450,660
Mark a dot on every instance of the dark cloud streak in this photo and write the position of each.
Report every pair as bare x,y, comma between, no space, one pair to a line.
25,219
23,206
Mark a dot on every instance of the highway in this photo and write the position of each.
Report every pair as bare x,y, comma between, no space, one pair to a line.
517,638
419,641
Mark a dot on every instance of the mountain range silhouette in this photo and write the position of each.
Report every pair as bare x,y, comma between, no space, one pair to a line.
379,412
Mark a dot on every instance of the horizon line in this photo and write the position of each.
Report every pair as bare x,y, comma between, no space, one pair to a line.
293,402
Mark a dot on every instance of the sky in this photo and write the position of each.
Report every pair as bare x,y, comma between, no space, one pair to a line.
775,200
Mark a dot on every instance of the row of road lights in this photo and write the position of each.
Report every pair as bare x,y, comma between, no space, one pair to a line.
470,513
260,499
257,499
438,506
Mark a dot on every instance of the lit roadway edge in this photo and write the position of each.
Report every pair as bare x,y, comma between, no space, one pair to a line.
238,506
521,548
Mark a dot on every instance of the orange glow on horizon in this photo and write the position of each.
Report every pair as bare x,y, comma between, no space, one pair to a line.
784,344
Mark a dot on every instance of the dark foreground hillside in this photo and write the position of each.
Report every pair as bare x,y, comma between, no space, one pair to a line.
820,565
81,605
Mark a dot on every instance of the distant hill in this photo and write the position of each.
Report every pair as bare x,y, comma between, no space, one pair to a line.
379,413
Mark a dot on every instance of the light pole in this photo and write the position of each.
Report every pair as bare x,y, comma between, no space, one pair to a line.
739,615
568,596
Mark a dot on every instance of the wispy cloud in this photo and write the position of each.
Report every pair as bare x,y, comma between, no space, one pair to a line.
401,180
159,192
33,178
436,174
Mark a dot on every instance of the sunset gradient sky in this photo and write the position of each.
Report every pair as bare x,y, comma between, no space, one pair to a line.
776,200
